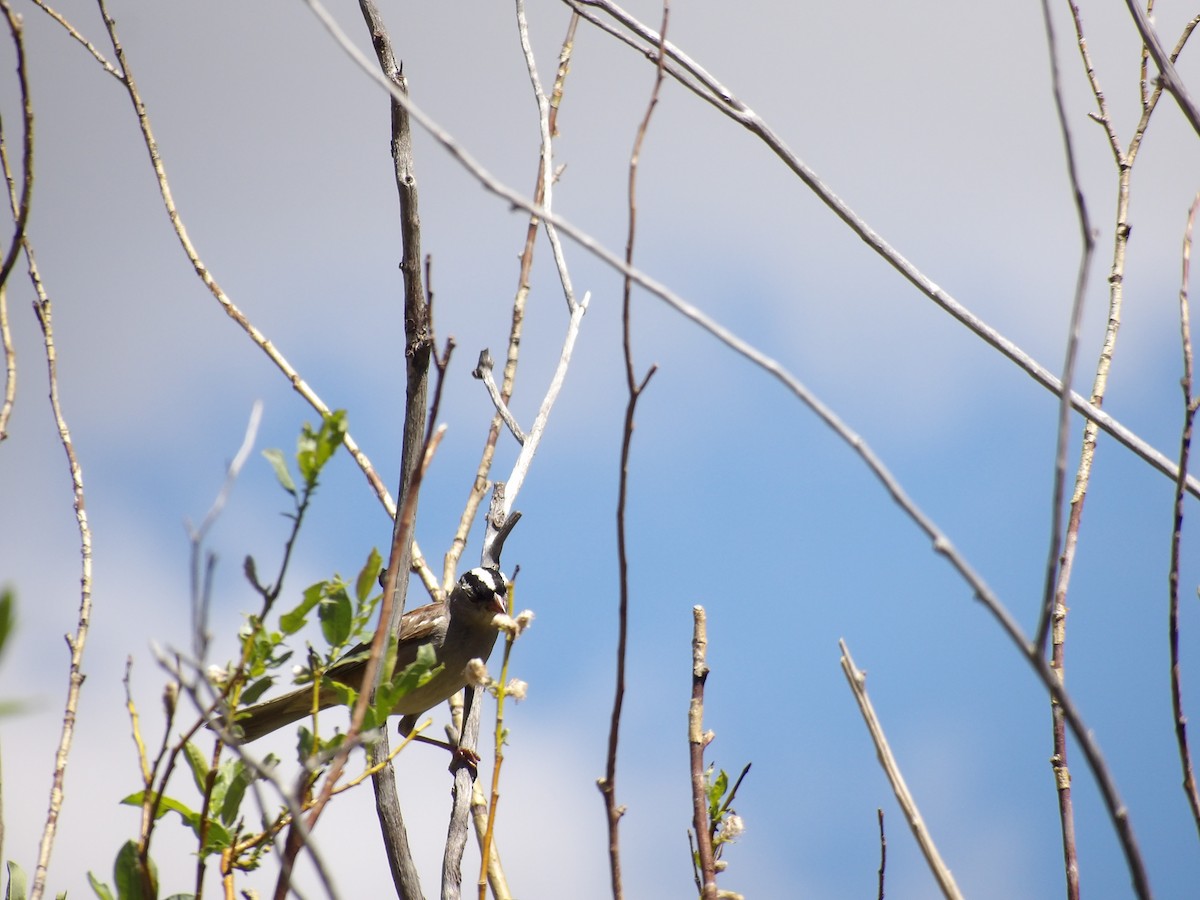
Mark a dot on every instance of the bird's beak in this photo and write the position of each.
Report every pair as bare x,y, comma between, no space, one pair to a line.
498,606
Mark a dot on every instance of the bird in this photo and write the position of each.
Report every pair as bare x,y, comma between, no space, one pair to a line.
459,629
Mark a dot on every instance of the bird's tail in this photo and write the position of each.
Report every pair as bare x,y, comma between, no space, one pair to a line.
263,718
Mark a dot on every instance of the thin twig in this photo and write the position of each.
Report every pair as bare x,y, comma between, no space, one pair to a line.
1166,66
483,371
1088,241
882,851
1190,405
78,641
21,218
74,32
858,686
6,341
200,593
608,784
495,873
1049,593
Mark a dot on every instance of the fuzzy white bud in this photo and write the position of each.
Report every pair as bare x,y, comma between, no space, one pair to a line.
477,673
732,828
507,624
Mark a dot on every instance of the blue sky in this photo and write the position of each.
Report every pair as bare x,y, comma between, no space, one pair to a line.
936,124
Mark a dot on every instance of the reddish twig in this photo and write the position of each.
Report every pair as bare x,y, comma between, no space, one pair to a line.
608,784
1190,405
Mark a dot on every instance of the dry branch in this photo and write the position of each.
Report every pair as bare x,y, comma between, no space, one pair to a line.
857,680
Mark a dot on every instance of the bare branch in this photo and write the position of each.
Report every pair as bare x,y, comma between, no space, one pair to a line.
78,641
199,589
21,217
1088,240
1190,405
1166,67
1051,596
697,741
73,32
418,336
534,438
483,371
882,852
858,686
608,784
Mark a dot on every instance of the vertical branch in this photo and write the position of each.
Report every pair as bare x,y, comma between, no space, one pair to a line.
42,307
1190,404
1053,595
882,852
418,343
608,784
697,741
77,641
21,213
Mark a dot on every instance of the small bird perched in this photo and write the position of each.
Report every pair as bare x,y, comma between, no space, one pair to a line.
459,629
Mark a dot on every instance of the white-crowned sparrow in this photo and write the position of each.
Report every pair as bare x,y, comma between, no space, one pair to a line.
459,629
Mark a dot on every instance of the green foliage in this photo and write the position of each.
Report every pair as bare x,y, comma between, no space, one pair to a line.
344,610
314,449
724,824
8,615
8,621
18,884
132,880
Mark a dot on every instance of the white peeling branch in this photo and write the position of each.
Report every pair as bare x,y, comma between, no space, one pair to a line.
530,445
483,371
858,685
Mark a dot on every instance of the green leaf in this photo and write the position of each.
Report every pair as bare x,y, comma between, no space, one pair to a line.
414,675
368,577
128,875
716,791
103,891
315,448
8,615
336,614
165,805
295,619
198,764
217,837
279,463
18,884
234,780
331,435
256,689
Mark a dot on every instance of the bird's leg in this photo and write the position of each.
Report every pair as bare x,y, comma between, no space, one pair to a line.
461,754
